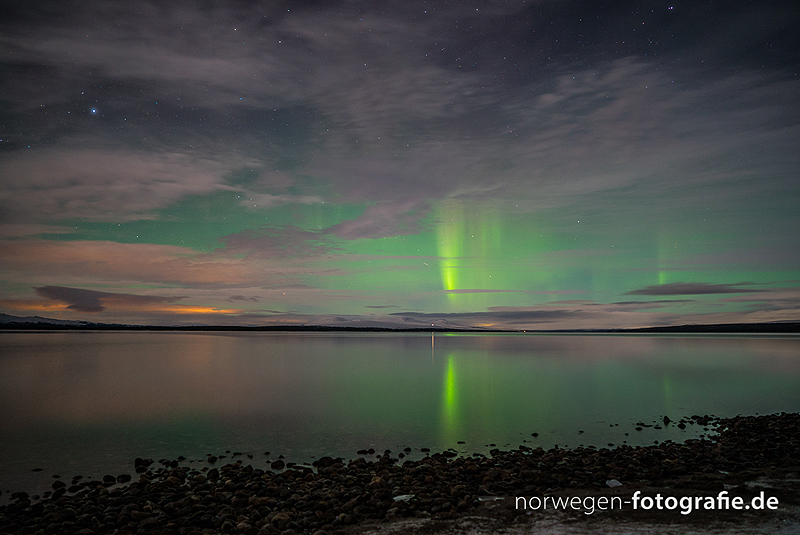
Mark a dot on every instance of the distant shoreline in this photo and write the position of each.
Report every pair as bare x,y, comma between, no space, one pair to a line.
44,324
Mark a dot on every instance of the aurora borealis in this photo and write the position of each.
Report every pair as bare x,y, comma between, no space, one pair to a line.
502,164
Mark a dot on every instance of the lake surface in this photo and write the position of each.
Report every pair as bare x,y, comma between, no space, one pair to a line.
90,402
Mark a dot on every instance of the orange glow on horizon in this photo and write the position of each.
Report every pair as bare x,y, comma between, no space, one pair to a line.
194,309
36,306
54,306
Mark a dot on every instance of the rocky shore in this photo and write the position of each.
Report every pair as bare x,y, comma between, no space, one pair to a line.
334,495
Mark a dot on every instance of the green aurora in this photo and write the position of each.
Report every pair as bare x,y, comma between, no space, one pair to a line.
356,174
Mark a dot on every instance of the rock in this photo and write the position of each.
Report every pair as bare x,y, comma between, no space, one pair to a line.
280,518
335,494
148,523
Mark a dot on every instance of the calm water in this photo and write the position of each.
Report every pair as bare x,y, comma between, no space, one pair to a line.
89,403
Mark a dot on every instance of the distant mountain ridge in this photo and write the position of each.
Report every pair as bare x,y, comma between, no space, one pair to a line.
7,318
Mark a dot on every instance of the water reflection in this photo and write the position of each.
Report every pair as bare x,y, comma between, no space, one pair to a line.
483,383
450,411
502,389
72,396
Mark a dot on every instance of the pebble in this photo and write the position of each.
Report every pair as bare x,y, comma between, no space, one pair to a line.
332,493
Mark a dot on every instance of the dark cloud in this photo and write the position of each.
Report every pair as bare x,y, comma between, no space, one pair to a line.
235,298
477,291
533,292
495,317
77,299
82,300
693,288
655,302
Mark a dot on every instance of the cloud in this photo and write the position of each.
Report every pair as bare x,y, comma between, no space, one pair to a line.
383,219
493,318
120,184
93,301
89,262
399,109
784,253
261,59
587,305
139,41
235,298
643,305
480,291
621,129
490,290
27,231
265,200
276,243
772,299
693,288
102,184
120,307
410,127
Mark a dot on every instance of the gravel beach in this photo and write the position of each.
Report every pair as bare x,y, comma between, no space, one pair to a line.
746,457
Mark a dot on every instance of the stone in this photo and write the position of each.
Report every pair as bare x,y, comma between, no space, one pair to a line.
239,498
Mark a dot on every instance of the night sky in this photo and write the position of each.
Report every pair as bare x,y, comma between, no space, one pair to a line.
509,164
